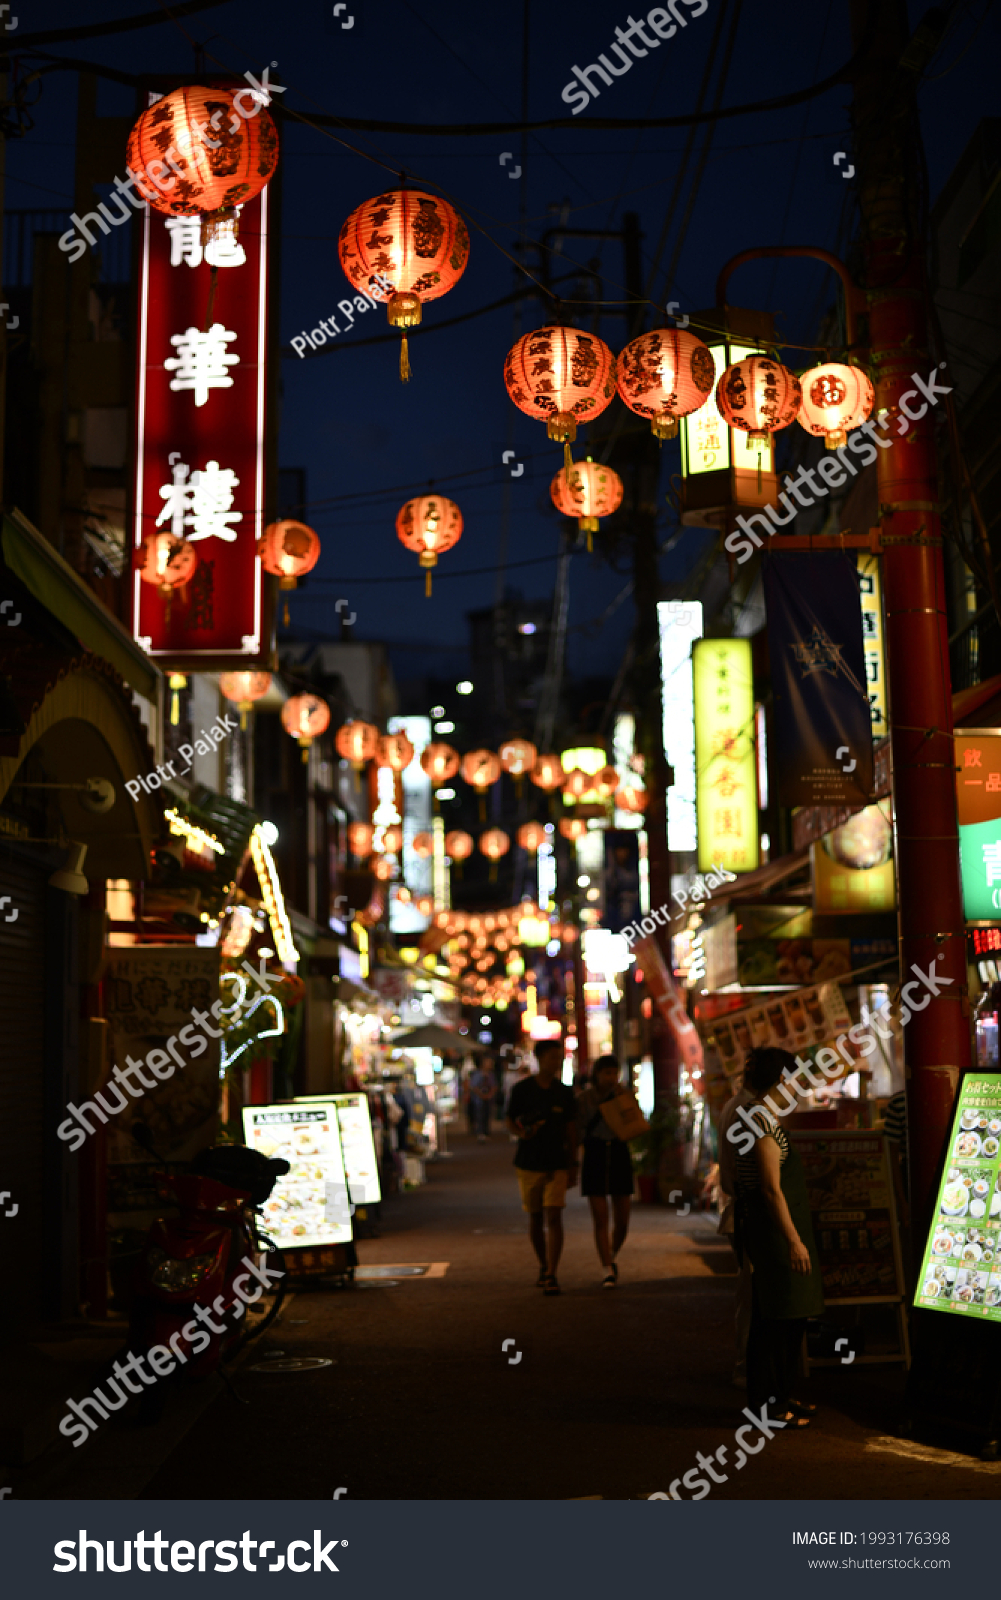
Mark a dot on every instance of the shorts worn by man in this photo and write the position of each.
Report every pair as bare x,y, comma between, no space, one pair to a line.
542,1112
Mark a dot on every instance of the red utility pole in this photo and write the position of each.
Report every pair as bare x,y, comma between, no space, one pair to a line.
930,917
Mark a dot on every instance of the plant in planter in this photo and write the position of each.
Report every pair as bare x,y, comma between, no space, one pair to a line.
649,1150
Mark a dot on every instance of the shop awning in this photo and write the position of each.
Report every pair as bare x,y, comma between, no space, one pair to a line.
434,1037
753,885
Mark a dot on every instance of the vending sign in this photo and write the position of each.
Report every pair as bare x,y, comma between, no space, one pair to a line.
310,1205
200,444
961,1271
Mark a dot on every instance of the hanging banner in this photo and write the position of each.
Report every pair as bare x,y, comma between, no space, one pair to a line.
668,1001
978,812
726,778
201,445
823,729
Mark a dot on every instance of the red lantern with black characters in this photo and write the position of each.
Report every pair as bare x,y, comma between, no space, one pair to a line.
561,375
759,396
665,375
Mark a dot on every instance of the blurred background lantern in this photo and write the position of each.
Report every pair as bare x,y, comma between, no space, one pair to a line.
429,525
203,174
458,845
759,396
305,717
404,247
569,933
605,782
629,798
394,750
835,398
573,827
425,904
481,768
381,867
494,843
562,375
530,835
168,562
548,773
423,845
392,840
577,783
440,762
586,492
179,681
357,742
665,375
243,688
517,756
288,550
360,838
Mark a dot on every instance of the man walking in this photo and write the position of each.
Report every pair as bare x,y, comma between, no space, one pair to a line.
542,1112
482,1091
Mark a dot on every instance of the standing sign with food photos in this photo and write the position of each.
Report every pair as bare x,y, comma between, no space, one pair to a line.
850,1191
791,1022
310,1205
361,1166
961,1270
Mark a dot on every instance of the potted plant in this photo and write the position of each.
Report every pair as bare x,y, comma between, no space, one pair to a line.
649,1149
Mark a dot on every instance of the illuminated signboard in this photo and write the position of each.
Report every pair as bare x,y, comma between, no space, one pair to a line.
361,1168
986,941
961,1272
726,783
309,1206
978,811
871,595
200,442
680,624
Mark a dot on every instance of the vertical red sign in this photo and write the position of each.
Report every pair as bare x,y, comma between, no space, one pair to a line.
200,435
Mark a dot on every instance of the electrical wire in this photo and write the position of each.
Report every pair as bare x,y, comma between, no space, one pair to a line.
93,30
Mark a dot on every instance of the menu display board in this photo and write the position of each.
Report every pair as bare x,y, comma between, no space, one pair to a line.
850,1191
310,1205
357,1145
789,1021
961,1271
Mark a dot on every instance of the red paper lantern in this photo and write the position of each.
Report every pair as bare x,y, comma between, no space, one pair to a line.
665,375
530,835
440,762
243,688
562,375
382,868
758,395
394,750
573,827
632,799
360,838
586,492
494,843
458,845
392,840
404,247
578,783
548,773
835,398
425,904
604,782
287,550
423,845
517,756
357,742
201,151
168,562
305,717
480,768
429,525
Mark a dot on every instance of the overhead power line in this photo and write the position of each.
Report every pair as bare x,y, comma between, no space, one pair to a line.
94,30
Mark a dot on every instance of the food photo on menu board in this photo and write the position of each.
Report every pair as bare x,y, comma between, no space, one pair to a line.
308,1206
791,1022
361,1167
962,1264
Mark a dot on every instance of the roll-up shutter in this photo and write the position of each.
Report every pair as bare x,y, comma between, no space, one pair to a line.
22,1139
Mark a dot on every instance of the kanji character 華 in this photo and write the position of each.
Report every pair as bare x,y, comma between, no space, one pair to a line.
201,361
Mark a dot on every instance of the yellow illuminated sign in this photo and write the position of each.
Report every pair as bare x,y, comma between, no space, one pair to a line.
870,593
726,799
707,443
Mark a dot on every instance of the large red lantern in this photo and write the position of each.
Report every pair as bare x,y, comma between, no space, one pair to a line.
665,375
305,717
548,773
631,799
562,375
360,838
587,492
530,835
517,756
287,550
758,395
494,843
201,151
573,827
458,844
168,562
835,398
423,845
429,525
357,742
440,762
480,768
404,247
604,782
243,688
392,840
394,750
578,783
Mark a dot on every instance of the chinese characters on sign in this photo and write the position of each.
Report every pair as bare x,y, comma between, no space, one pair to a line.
726,780
978,810
870,593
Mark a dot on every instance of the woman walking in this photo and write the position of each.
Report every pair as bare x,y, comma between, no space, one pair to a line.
772,1224
606,1168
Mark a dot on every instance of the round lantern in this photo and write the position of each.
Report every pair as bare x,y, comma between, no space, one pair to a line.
458,845
381,867
440,762
530,835
665,375
167,562
573,827
404,247
759,396
578,783
480,768
631,799
569,933
494,844
429,525
360,838
835,398
517,756
287,550
423,845
425,904
357,742
587,492
605,782
394,750
305,717
392,841
203,152
548,773
562,375
243,688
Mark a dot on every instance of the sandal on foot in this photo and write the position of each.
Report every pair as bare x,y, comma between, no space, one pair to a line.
608,1281
791,1422
802,1408
551,1286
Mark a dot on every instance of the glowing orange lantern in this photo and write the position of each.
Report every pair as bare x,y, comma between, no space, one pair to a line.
394,750
665,375
203,152
168,562
578,783
429,525
357,742
423,845
517,756
631,799
440,762
573,827
586,492
530,835
494,844
360,838
569,934
458,845
424,904
759,396
305,717
287,550
562,375
392,840
548,773
604,783
480,768
404,247
243,688
381,867
835,398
